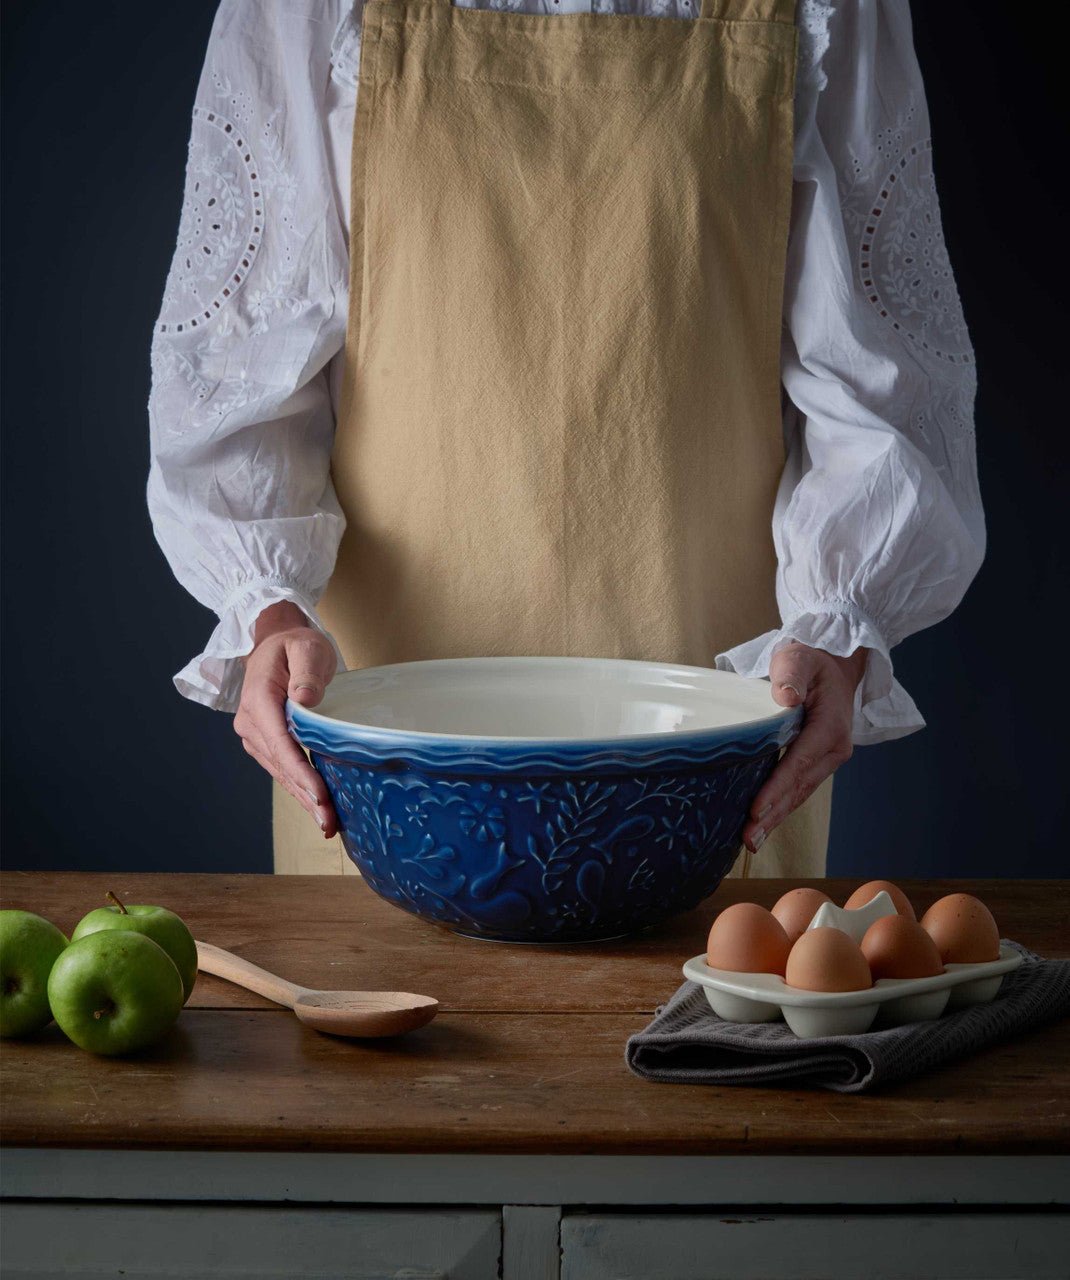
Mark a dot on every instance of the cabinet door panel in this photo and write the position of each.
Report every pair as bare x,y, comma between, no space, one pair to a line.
993,1246
142,1242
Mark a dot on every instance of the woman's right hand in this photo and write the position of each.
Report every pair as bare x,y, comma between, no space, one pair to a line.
290,659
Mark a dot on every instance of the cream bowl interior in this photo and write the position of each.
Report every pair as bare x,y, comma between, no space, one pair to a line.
545,699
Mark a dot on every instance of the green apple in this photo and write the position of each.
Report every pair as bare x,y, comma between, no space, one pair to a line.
115,991
162,926
29,946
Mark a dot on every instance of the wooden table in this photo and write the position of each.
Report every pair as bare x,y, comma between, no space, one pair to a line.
510,1124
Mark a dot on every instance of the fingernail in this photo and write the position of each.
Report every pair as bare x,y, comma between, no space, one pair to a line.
758,839
764,810
313,687
793,687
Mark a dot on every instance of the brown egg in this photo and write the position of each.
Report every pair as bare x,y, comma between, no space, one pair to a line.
797,908
867,892
745,938
896,947
827,960
963,929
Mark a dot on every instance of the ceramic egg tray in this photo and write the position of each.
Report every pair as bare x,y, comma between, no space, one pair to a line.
764,997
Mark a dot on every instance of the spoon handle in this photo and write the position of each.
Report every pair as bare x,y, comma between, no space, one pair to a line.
224,964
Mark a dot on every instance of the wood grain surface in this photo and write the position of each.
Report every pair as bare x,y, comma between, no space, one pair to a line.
527,1055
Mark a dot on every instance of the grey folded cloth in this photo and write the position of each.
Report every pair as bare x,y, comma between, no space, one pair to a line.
687,1043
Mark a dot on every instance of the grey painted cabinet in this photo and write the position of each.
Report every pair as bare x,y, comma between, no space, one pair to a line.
151,1242
815,1247
188,1242
194,1215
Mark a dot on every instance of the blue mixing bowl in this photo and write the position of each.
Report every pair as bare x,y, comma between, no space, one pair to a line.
543,799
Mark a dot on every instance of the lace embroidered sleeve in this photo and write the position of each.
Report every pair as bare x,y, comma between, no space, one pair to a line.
878,526
253,314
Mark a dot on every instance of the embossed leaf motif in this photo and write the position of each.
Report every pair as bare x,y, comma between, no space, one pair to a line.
431,854
579,809
590,880
435,863
642,879
673,791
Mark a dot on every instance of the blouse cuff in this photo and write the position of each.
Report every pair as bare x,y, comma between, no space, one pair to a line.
883,709
214,677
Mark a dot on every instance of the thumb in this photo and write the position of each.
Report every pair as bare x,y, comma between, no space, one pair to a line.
791,674
310,661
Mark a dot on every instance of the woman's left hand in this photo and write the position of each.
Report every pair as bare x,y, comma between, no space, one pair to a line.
825,686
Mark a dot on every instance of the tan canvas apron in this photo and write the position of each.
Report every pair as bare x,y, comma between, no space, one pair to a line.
560,429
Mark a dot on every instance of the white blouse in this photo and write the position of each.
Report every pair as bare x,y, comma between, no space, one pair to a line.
878,521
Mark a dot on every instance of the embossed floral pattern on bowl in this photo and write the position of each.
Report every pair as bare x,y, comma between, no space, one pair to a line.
539,836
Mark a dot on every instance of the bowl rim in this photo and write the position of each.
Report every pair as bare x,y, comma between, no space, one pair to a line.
781,718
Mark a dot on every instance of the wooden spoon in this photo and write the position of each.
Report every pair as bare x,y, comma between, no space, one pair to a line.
338,1013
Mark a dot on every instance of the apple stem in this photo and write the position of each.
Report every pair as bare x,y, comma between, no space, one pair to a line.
114,899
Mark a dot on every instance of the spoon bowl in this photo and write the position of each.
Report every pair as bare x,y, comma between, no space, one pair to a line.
364,1013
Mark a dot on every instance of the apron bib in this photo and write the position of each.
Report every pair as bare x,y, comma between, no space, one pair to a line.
560,430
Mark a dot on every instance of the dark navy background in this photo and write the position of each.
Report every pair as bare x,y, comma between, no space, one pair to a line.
106,767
